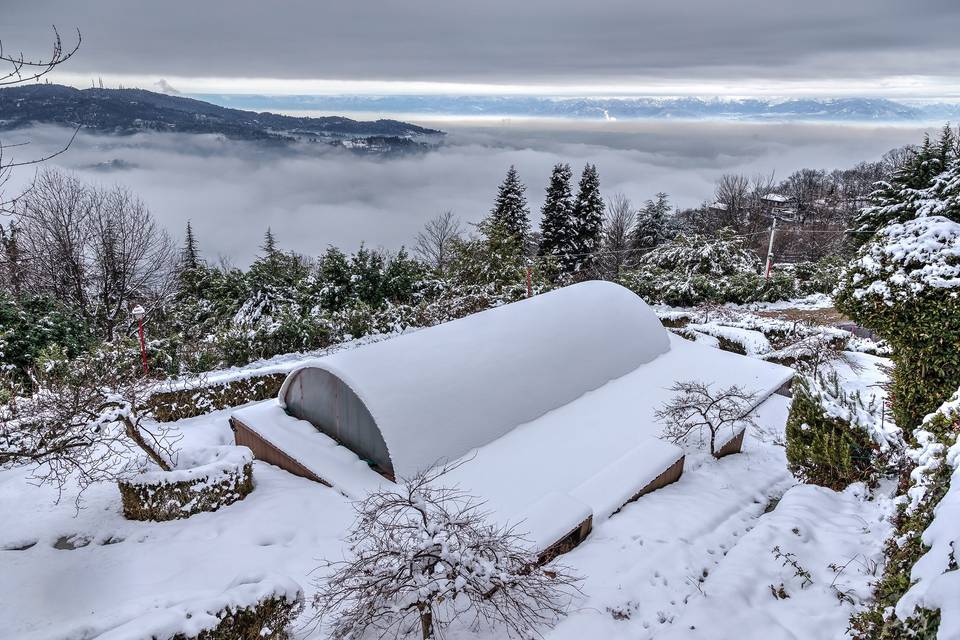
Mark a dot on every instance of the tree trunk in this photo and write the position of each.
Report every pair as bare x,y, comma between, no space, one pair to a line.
133,432
426,622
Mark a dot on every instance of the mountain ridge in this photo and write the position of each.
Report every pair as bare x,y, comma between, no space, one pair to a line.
127,111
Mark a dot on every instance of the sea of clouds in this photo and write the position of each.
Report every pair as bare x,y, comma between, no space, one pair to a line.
310,197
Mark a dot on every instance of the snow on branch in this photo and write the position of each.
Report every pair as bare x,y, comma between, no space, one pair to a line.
424,555
697,409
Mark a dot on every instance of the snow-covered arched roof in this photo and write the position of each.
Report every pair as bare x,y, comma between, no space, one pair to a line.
439,392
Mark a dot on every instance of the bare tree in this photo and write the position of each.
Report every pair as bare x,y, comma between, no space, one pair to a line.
733,191
696,408
19,70
424,555
617,225
81,422
435,244
98,249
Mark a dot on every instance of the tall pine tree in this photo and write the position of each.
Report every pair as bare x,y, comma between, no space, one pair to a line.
558,233
189,256
588,210
510,211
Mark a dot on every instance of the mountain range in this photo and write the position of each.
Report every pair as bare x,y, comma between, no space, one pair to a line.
749,109
127,111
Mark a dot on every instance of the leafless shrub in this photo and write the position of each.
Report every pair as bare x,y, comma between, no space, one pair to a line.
424,555
82,423
696,408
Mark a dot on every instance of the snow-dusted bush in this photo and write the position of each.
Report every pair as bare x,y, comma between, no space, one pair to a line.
251,608
834,438
905,285
916,595
206,480
423,555
692,269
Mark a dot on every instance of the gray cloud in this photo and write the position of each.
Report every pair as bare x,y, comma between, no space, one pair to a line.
504,40
233,191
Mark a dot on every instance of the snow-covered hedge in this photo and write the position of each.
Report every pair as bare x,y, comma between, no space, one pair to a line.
834,438
187,402
917,594
257,607
905,285
206,480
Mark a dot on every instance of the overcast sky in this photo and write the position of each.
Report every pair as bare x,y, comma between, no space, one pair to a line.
897,48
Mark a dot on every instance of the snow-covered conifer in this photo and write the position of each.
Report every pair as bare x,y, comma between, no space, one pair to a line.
588,212
558,233
510,210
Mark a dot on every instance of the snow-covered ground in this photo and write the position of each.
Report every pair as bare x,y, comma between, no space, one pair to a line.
711,556
646,569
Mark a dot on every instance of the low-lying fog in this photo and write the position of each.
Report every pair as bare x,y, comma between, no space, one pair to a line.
233,191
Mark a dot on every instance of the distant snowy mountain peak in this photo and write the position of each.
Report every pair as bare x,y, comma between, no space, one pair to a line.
847,109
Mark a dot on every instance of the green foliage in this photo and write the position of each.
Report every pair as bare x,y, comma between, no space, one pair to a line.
931,174
827,450
29,325
902,550
900,286
694,269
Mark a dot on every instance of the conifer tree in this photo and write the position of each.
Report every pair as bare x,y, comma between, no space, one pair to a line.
189,257
510,210
653,225
905,196
558,233
588,210
269,244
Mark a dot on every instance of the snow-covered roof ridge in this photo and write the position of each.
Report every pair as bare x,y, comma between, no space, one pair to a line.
437,393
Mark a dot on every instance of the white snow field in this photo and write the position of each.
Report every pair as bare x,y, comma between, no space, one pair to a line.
642,566
692,559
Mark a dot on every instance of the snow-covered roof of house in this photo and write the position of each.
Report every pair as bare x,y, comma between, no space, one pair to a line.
776,197
718,206
440,392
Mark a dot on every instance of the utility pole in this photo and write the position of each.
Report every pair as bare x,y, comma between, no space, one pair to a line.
529,279
773,232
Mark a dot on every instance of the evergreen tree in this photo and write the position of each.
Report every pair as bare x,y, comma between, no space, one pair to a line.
269,244
588,210
510,210
189,257
925,178
558,233
336,277
654,225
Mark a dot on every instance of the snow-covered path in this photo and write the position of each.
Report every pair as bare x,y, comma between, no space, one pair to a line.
644,564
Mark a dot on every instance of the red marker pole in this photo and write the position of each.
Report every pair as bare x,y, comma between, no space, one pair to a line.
139,313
